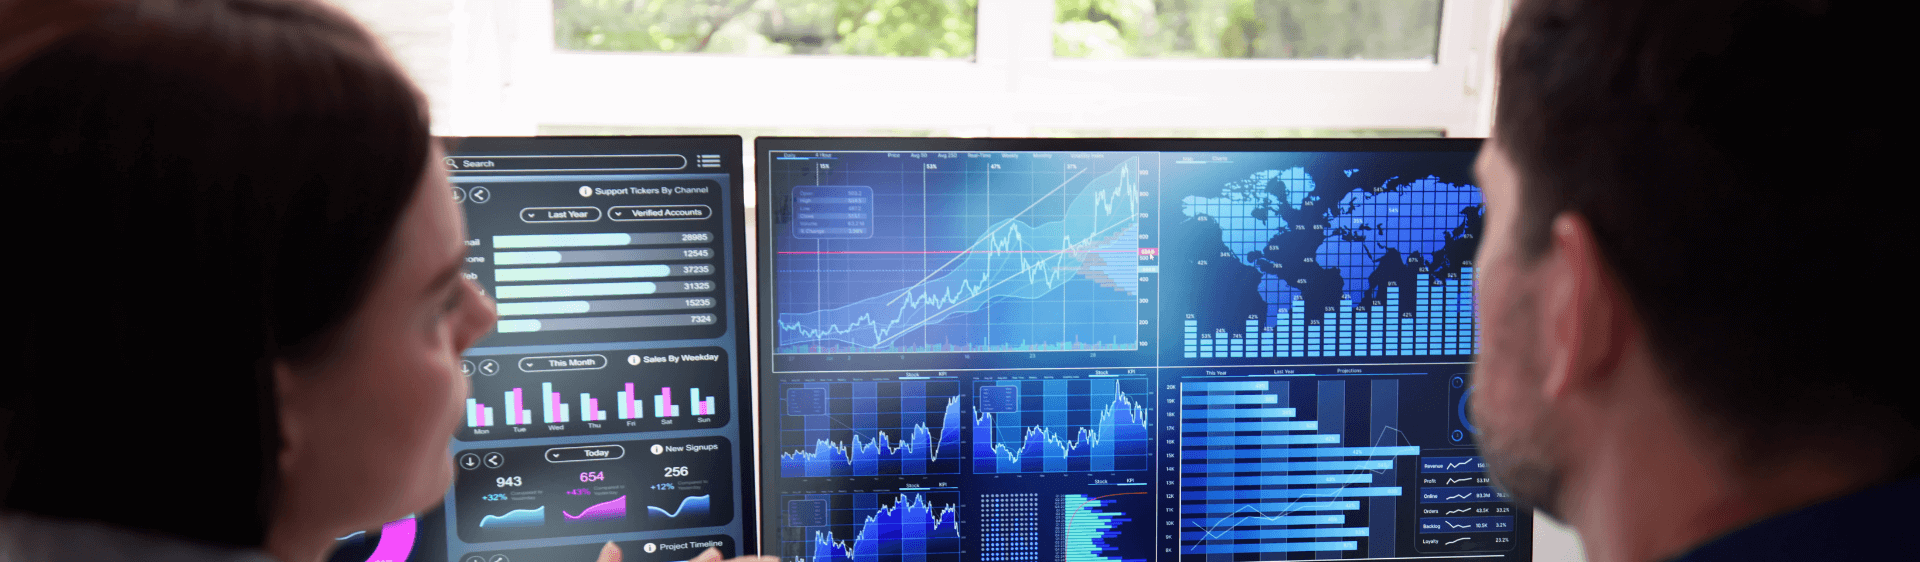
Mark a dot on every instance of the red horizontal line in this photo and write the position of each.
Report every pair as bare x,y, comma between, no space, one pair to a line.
974,252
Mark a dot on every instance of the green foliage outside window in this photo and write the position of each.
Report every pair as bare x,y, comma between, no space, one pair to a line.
894,28
1248,29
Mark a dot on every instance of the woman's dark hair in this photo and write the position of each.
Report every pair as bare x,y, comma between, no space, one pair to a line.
199,189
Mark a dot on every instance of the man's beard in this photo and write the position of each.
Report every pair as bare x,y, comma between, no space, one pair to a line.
1521,461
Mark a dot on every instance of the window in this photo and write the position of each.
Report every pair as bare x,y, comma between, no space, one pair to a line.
892,28
953,67
1248,29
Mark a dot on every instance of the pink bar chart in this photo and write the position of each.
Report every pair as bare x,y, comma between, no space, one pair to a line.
639,391
627,405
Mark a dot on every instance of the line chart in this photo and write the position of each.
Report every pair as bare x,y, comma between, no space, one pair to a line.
1061,426
870,428
1058,273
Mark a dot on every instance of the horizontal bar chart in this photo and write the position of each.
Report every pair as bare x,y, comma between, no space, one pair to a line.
579,273
522,241
553,257
606,322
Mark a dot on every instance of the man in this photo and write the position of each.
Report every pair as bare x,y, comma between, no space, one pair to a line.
1690,288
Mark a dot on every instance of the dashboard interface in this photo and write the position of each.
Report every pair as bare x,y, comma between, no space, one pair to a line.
612,400
1028,350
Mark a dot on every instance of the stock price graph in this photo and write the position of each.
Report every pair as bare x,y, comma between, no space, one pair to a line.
1032,253
882,527
870,428
1098,424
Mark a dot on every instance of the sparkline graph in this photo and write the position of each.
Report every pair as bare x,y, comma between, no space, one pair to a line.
693,506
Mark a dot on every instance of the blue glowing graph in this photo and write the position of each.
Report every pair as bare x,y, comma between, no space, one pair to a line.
870,428
918,527
1343,270
517,518
1062,426
1089,527
1257,479
991,259
691,506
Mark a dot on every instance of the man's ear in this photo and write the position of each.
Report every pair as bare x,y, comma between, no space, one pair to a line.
293,430
1583,310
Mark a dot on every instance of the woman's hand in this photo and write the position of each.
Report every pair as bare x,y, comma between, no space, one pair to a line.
611,553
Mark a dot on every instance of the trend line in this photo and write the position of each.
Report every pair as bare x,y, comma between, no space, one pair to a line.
1121,414
698,503
1023,212
1096,219
921,437
918,512
517,518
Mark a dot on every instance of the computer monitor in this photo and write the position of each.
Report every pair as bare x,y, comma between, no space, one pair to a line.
612,400
1030,350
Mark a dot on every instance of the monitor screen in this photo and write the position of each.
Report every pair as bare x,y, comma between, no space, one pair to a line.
1031,350
612,400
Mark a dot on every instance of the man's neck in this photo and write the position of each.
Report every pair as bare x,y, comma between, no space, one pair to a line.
1654,484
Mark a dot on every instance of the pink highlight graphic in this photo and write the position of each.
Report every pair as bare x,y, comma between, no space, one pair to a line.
604,511
396,541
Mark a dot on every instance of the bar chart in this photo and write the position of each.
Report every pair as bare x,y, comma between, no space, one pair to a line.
1257,481
1441,324
605,281
654,390
555,410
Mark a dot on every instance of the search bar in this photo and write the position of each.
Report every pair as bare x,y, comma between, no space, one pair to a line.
566,163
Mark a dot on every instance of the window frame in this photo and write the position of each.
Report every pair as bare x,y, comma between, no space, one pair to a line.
508,78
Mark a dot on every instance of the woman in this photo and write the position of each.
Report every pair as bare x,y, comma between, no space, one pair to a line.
242,283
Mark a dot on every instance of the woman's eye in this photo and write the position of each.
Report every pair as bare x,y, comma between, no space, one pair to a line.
452,301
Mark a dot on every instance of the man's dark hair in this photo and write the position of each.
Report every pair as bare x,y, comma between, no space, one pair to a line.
1738,165
197,189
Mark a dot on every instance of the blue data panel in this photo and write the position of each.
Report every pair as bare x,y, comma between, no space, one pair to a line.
1123,350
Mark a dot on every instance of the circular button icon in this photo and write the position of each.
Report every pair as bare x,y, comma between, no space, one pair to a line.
633,360
489,367
649,548
479,195
459,195
474,558
466,367
494,460
1459,381
1458,435
497,558
657,449
469,461
586,191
